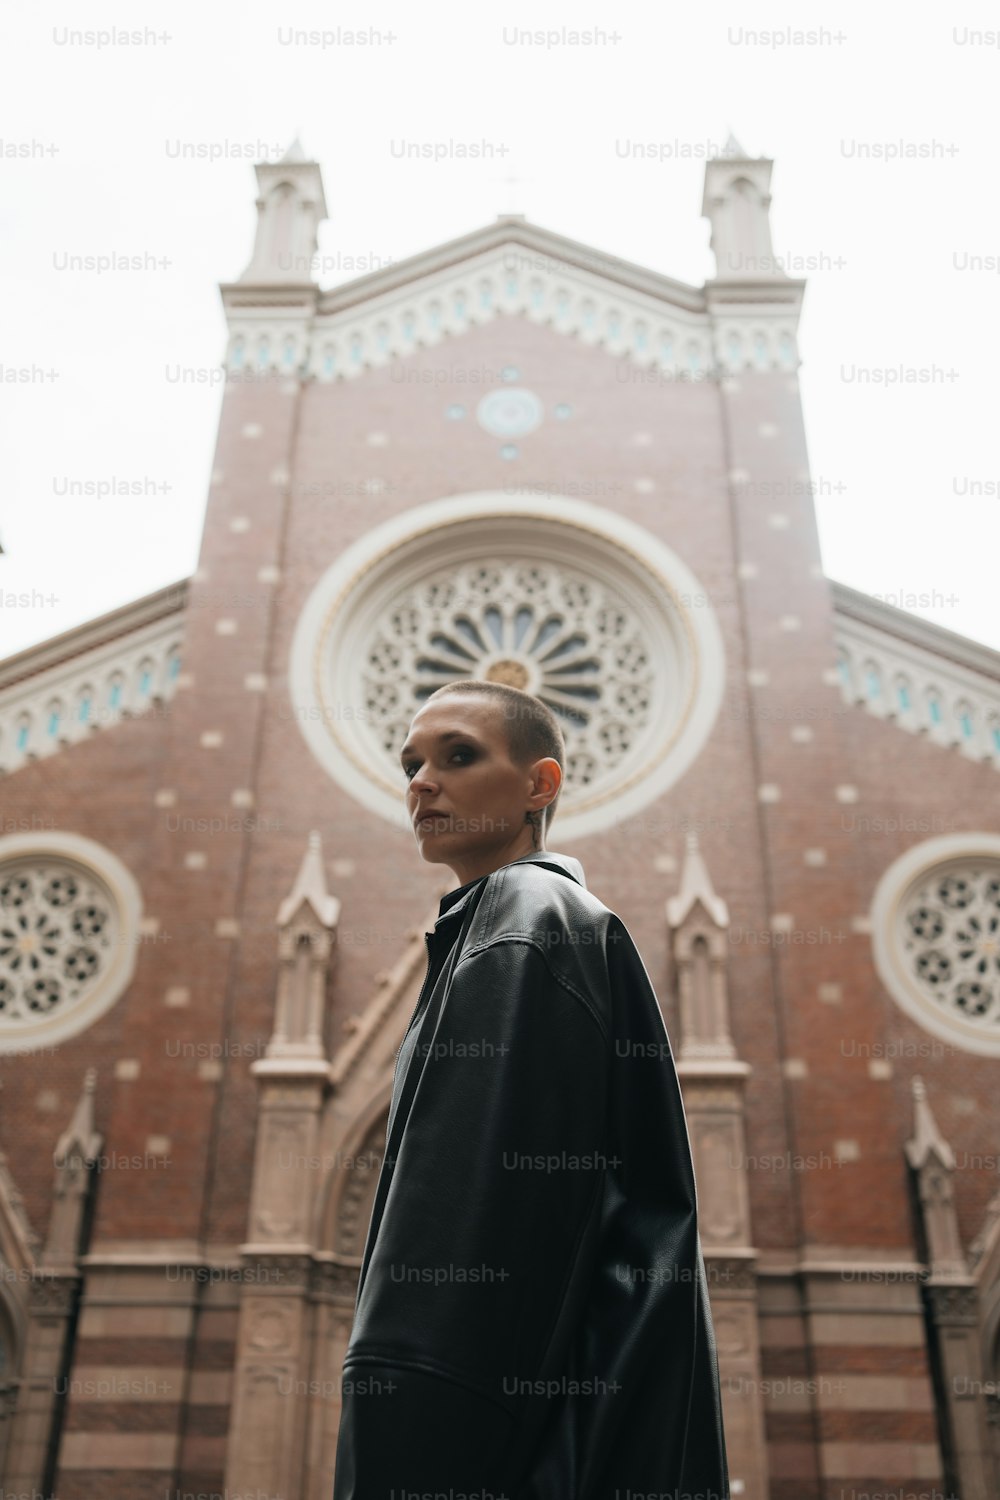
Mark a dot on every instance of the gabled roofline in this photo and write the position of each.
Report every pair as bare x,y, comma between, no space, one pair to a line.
915,630
535,239
111,626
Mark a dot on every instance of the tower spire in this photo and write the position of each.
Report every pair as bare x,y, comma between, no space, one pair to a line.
290,208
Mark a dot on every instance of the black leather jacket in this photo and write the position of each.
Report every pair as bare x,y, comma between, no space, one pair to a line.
532,1317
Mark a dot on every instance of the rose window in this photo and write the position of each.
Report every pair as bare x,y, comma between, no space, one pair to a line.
574,604
570,640
58,930
950,934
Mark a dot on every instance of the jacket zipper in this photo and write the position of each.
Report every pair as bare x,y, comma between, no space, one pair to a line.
420,997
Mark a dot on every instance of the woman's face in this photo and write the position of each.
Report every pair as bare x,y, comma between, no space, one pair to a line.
456,761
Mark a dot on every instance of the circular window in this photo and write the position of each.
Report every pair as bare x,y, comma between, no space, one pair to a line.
509,413
936,936
581,608
68,918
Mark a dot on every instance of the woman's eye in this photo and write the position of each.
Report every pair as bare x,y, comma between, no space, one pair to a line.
411,766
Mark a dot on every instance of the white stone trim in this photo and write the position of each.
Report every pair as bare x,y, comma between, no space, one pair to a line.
93,672
863,648
386,322
114,979
353,588
890,962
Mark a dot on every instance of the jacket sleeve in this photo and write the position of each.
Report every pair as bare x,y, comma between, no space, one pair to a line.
485,1241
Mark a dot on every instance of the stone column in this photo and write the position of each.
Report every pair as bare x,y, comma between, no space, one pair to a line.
268,1433
713,1080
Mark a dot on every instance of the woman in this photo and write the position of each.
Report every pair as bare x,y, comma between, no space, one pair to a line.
532,1318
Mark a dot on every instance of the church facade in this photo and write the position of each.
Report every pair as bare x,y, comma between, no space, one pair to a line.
509,457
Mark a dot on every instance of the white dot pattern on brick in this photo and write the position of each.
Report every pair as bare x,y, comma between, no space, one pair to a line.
47,1101
279,475
767,429
846,1150
644,486
790,622
815,857
158,1145
861,924
127,1067
642,439
739,476
211,739
252,429
177,996
227,927
782,921
802,734
794,1067
758,677
665,864
343,868
778,521
240,523
377,439
879,1067
195,859
731,385
210,1069
830,994
847,793
769,792
747,570
242,797
165,797
226,627
268,574
255,682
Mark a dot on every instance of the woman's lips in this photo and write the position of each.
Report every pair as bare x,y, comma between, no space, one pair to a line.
430,822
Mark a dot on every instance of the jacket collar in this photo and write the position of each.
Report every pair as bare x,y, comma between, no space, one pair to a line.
455,901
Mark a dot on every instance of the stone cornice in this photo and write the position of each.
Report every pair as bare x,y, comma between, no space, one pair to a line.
114,625
512,229
861,607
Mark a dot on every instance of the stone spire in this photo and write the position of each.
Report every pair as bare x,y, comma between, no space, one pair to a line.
74,1158
933,1162
290,208
736,202
307,922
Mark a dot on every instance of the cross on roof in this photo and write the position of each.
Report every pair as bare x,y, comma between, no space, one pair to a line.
511,178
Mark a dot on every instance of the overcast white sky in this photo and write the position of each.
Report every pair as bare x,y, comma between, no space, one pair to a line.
903,472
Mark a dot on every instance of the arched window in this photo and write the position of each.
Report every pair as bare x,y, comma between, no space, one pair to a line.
786,350
935,708
666,347
263,351
904,701
760,354
239,350
289,354
485,294
735,350
458,303
965,714
356,349
640,338
23,737
537,294
873,681
329,360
